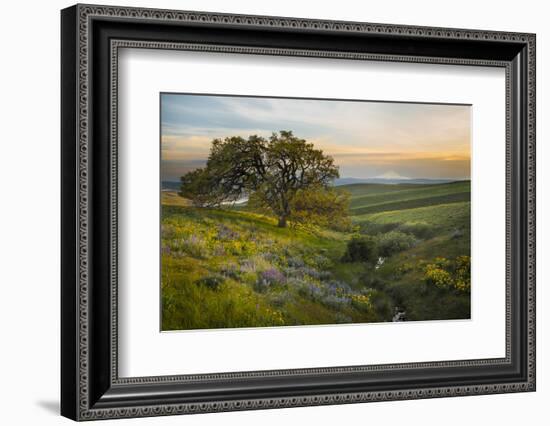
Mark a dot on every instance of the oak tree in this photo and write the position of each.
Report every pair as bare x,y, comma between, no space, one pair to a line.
283,173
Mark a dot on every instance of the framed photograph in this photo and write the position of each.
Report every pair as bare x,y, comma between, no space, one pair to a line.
263,212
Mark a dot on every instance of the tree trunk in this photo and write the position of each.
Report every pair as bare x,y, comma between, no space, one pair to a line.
282,222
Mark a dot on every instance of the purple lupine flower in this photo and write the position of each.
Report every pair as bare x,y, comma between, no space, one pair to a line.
272,276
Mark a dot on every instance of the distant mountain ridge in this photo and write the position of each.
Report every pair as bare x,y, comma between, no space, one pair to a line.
168,185
392,181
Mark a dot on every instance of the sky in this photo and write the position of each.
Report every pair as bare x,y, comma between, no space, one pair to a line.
366,139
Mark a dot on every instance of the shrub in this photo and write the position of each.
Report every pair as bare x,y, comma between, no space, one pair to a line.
275,317
381,304
295,262
312,272
362,302
272,276
335,302
218,250
394,242
309,290
238,247
167,231
230,270
280,299
437,276
457,233
319,206
194,245
213,282
369,281
268,278
321,262
293,272
253,264
462,273
224,233
271,257
446,274
406,267
361,249
325,275
341,318
296,283
338,288
419,230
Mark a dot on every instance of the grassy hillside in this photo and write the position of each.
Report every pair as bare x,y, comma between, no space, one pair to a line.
171,198
235,268
223,268
438,216
400,197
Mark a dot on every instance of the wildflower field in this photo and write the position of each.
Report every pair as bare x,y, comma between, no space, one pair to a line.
405,257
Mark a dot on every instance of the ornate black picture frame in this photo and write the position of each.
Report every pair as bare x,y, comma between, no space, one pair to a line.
91,36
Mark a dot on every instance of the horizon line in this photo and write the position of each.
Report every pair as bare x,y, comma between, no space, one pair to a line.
377,178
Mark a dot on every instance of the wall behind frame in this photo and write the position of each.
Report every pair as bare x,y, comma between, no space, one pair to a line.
30,226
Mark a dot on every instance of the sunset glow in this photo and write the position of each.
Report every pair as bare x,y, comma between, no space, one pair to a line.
366,139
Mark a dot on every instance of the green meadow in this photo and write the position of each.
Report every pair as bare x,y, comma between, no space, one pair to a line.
406,257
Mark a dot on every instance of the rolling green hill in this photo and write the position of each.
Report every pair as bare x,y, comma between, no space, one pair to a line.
366,199
232,267
439,216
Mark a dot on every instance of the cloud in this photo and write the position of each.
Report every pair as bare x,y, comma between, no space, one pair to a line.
180,148
363,137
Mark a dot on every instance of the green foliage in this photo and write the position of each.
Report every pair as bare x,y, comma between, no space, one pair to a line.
322,207
445,274
462,273
274,173
394,242
382,304
213,282
367,248
362,302
361,249
199,187
419,230
438,276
